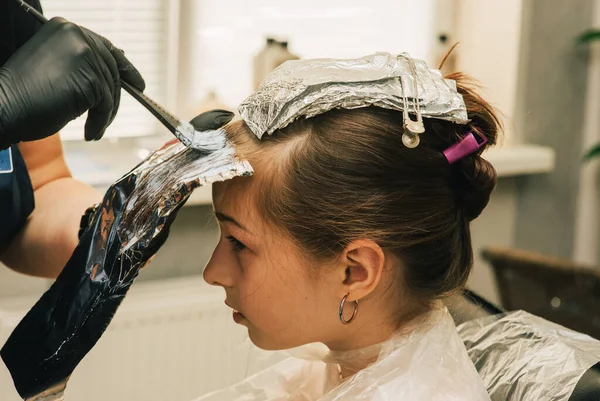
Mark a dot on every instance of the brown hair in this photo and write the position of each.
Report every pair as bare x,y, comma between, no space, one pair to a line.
345,175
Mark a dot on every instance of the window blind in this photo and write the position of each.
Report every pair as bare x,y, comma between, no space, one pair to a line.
141,29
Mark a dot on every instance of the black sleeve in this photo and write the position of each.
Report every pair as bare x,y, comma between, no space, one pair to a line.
16,26
16,192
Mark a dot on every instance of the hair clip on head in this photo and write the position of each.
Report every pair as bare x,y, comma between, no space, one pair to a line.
412,128
468,145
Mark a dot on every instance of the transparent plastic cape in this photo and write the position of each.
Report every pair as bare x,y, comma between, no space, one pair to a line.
306,88
524,357
429,362
123,234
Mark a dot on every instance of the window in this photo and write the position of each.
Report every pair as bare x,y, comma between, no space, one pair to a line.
229,33
144,29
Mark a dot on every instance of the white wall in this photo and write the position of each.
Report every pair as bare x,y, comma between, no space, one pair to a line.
489,33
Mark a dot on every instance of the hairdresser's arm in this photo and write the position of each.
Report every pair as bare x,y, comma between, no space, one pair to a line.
46,242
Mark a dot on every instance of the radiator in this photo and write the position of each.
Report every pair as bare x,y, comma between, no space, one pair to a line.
169,341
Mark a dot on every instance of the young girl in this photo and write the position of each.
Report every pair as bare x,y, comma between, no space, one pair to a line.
345,236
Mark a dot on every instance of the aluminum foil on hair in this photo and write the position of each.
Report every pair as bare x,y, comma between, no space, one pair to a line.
167,177
306,88
200,140
125,232
520,356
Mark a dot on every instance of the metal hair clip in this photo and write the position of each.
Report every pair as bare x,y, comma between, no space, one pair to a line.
412,128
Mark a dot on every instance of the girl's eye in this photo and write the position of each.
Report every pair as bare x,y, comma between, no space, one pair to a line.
237,245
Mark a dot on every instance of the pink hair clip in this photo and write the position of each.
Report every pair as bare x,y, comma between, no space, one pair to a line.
466,146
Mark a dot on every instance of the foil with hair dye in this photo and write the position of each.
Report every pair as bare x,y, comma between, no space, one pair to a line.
123,234
306,88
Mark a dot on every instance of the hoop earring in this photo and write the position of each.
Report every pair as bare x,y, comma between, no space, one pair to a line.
341,312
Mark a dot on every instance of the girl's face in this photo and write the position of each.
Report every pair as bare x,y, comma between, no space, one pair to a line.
283,298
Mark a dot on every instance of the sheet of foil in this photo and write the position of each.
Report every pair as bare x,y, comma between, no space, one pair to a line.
167,177
306,88
524,357
68,320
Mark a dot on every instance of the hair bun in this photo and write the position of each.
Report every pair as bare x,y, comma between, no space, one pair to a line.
477,181
476,176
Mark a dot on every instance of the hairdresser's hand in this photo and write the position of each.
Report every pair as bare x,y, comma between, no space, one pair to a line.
63,71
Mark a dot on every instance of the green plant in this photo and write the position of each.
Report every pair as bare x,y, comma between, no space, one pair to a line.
592,153
588,36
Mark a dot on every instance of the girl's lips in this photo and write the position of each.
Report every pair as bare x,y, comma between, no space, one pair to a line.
237,316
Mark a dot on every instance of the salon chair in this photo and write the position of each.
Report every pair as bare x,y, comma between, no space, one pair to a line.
558,290
468,306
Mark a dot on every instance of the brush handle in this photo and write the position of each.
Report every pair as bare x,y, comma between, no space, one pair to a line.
31,10
166,118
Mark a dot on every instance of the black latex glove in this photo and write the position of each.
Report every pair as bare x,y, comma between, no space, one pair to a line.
68,320
63,71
